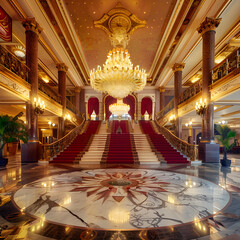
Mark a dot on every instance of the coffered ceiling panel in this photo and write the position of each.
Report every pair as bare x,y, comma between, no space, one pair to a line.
143,43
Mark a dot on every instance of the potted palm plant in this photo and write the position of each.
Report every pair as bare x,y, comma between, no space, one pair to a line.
224,134
12,129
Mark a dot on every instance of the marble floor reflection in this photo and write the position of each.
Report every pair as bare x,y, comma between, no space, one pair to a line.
120,202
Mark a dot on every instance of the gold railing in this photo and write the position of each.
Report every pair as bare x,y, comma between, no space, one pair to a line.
190,92
227,66
43,87
165,110
11,62
70,106
51,150
189,150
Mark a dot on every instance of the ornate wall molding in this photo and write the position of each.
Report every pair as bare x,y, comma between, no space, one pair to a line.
88,96
141,96
15,87
225,88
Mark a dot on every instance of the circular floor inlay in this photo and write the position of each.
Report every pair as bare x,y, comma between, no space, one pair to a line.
121,198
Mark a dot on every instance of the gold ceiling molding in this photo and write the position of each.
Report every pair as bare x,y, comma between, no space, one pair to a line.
222,108
230,114
119,23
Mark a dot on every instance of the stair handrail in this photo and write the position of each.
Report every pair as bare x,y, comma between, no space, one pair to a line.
189,150
52,149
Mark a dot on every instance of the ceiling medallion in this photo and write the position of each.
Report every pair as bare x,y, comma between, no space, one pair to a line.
117,77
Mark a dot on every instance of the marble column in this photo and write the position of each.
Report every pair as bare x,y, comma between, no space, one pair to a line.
162,98
62,73
31,151
208,150
77,97
177,69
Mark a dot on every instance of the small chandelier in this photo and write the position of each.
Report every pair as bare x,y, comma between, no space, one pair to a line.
119,108
172,118
39,106
201,107
118,78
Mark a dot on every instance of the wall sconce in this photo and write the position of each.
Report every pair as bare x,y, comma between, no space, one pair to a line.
67,117
172,118
51,124
38,106
201,107
188,124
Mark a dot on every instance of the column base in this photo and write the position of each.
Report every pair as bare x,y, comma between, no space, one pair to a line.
31,152
208,152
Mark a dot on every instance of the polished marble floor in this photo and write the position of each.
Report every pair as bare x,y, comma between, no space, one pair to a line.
120,202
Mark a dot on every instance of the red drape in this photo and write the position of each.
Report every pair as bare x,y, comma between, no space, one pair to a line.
108,101
5,26
130,100
146,105
93,104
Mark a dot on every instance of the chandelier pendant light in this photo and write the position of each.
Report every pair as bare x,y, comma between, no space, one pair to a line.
119,108
118,77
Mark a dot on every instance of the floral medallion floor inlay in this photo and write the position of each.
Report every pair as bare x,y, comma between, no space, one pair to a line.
121,198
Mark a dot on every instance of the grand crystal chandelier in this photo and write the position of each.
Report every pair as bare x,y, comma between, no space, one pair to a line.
118,77
119,108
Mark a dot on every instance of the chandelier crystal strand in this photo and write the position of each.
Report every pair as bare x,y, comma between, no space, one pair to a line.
119,108
118,78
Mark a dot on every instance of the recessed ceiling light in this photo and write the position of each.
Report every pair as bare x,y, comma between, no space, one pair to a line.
144,12
94,12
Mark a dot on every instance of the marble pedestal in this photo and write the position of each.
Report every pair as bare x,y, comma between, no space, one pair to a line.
31,152
208,152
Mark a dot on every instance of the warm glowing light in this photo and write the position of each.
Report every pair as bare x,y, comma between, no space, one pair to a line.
93,115
67,116
201,106
119,215
118,78
19,51
172,118
119,108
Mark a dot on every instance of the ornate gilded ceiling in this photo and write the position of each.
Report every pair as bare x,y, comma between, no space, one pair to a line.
143,43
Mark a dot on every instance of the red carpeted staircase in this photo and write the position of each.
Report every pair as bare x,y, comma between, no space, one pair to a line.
161,145
120,148
79,145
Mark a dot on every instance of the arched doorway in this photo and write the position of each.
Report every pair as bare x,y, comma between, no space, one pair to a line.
146,106
130,100
93,107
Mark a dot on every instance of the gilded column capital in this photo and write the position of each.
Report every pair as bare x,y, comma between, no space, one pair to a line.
30,24
161,89
78,89
62,67
178,67
208,24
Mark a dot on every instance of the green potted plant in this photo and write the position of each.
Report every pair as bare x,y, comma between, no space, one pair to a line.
12,129
224,134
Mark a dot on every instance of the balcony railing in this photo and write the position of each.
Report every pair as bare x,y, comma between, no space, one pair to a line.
165,110
227,66
70,106
51,150
9,61
189,150
43,87
191,91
